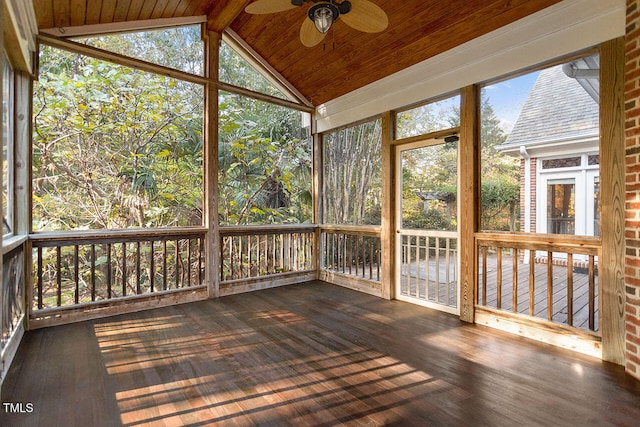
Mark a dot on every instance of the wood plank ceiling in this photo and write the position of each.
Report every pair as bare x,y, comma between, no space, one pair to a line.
347,60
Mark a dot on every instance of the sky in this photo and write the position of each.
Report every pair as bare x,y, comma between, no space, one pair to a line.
508,97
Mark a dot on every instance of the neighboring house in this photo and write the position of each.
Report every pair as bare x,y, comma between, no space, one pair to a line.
556,138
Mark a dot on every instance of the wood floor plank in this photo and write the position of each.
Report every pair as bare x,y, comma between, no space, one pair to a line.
307,354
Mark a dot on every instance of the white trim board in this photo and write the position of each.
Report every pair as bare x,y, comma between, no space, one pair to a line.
564,28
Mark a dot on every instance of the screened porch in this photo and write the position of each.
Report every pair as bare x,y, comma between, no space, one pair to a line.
178,187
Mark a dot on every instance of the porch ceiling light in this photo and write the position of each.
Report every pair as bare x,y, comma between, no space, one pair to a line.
324,14
361,15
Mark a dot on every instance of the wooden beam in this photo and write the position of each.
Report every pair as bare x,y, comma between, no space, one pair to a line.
612,199
22,153
149,67
119,59
388,225
223,14
19,28
468,167
123,27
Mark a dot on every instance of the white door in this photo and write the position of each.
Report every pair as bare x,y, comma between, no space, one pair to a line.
426,225
569,203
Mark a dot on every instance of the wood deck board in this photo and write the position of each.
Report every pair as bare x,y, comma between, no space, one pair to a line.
307,354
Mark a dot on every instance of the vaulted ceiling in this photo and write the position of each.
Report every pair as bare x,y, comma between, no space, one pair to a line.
345,61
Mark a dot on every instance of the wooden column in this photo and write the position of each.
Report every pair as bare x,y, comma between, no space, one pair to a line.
468,167
213,246
317,192
612,199
388,225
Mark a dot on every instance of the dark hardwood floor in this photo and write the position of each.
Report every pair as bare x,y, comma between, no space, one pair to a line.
311,354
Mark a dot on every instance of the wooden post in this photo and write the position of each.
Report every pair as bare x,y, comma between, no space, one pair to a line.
317,192
213,246
612,199
388,226
22,175
468,167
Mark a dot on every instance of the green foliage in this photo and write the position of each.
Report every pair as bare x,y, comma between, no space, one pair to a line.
500,199
181,48
353,174
234,69
500,188
265,163
114,147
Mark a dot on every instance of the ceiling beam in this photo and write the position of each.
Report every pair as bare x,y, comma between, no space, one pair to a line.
123,27
223,14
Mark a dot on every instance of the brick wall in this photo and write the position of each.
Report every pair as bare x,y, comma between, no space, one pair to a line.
632,207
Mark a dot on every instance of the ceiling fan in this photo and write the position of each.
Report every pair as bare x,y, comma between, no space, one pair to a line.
361,15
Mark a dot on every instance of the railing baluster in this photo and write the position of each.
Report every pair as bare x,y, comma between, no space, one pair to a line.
76,274
40,278
124,269
200,258
93,272
484,275
284,253
250,256
549,285
370,240
274,255
164,265
416,259
59,275
109,271
570,289
515,281
188,262
358,253
152,268
499,277
592,293
532,282
349,253
378,258
177,266
429,278
138,287
448,266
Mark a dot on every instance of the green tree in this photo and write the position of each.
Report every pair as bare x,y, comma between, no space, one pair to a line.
500,175
352,174
114,147
265,163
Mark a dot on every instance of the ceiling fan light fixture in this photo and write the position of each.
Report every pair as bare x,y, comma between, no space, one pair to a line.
323,15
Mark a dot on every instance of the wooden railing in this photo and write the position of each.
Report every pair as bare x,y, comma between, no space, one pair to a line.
429,267
545,276
13,291
250,252
352,251
75,268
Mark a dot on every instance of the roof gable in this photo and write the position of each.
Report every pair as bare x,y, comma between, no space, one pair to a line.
558,108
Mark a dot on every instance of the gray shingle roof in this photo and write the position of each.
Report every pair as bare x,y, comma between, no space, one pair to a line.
558,108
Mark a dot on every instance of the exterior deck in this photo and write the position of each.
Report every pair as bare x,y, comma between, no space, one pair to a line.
306,354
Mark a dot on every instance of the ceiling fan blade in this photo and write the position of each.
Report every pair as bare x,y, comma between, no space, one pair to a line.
262,7
365,16
309,35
